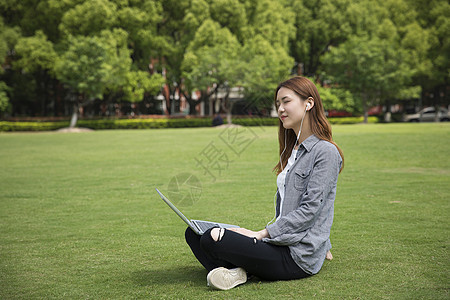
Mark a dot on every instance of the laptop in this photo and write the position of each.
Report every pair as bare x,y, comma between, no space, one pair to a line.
199,227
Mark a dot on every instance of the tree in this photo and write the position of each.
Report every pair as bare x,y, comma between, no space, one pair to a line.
164,36
35,53
91,65
431,54
263,66
4,99
8,37
35,56
175,36
320,24
230,14
272,20
335,98
49,26
89,17
138,83
372,69
140,20
210,62
252,55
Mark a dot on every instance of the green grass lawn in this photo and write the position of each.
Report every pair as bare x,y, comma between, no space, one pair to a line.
80,218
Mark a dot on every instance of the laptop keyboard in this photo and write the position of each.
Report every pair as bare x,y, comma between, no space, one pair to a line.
205,225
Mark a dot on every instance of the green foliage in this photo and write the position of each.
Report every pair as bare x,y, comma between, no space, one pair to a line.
320,24
233,43
200,66
92,47
89,17
35,53
230,14
8,38
372,69
90,64
108,124
196,14
263,66
273,21
139,19
4,99
334,98
138,83
31,126
400,45
93,65
352,120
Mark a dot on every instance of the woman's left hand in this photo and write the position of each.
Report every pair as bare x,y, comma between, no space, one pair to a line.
259,235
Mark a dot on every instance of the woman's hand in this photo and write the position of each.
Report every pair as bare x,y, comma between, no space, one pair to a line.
259,235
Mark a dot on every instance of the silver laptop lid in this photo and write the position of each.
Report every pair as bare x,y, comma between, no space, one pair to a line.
179,213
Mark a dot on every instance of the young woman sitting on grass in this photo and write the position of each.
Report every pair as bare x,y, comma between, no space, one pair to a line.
297,243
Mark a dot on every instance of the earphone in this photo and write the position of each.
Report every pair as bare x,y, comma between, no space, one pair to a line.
307,106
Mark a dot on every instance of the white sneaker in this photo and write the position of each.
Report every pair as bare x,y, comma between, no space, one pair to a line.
225,279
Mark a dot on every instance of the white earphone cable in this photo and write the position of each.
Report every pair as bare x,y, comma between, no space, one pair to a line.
281,164
301,125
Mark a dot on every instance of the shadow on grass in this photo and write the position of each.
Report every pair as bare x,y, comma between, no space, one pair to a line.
169,276
184,276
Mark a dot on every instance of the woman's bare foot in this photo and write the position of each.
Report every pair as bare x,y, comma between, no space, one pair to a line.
329,256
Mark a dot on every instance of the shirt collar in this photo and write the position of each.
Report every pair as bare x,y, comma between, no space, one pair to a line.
309,143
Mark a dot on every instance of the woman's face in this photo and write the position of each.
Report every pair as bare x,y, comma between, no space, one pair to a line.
290,108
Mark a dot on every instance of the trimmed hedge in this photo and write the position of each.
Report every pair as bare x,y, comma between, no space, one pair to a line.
155,123
32,126
255,121
144,123
352,120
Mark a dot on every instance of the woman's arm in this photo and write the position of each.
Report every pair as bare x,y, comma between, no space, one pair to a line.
259,235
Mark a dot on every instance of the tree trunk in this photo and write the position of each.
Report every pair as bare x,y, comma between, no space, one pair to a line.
74,119
366,116
211,107
229,120
436,99
192,107
388,114
192,103
365,109
227,106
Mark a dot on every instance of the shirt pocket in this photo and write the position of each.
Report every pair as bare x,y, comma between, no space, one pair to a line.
301,179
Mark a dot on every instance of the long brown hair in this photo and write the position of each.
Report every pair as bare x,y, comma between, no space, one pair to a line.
318,122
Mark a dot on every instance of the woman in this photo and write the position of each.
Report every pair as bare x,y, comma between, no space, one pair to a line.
297,243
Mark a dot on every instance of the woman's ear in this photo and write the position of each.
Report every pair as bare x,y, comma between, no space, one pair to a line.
309,103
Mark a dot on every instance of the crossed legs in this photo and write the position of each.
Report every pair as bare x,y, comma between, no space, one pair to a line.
224,248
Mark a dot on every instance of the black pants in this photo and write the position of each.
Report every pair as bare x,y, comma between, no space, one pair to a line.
264,260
